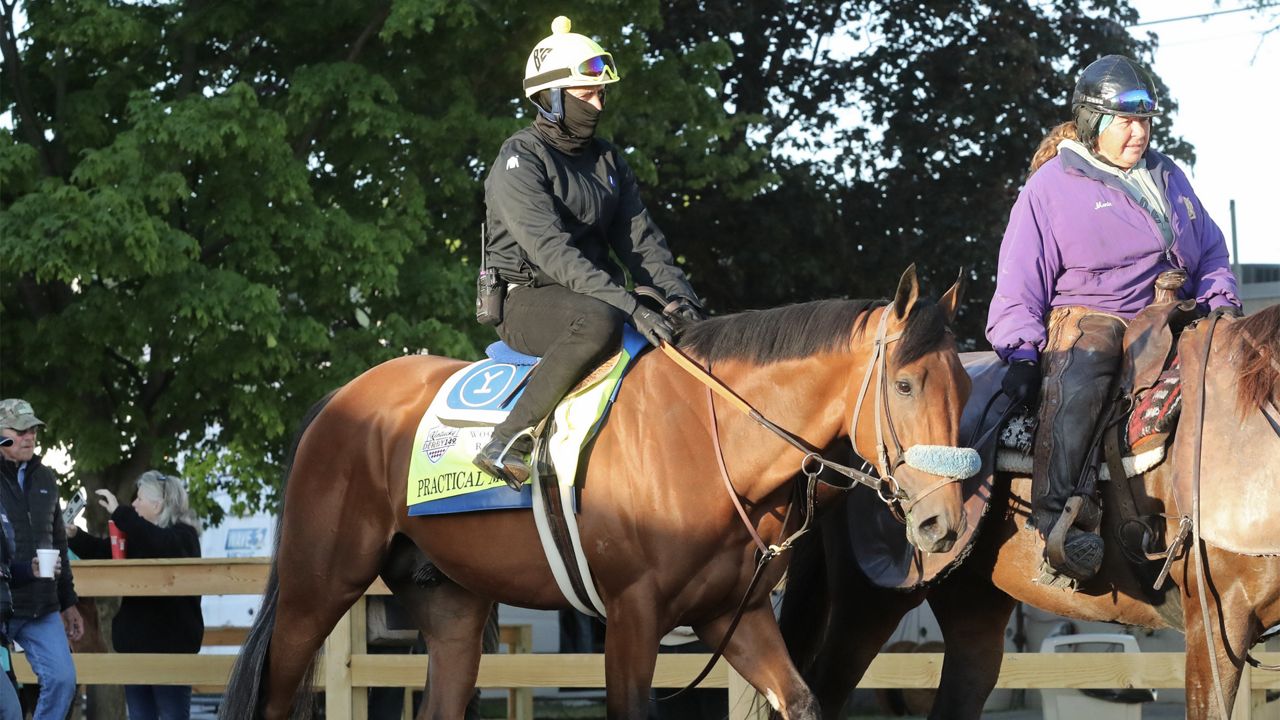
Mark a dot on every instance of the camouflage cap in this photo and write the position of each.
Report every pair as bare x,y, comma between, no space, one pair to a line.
16,414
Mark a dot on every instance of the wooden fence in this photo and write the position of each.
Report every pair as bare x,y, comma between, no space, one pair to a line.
347,671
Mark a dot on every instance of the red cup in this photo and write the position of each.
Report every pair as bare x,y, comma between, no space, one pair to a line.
117,541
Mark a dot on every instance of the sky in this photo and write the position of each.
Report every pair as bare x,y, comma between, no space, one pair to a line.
1226,79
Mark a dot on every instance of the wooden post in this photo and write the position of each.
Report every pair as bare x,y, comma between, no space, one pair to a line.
744,702
341,700
359,646
520,700
1243,709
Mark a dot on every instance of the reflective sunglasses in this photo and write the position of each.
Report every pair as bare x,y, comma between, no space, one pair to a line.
600,65
1132,102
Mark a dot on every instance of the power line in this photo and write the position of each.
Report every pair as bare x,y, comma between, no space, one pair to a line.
1204,15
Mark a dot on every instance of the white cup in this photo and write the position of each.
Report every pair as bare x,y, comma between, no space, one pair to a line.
48,560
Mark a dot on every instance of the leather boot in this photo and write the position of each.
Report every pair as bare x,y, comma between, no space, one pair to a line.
1080,363
505,459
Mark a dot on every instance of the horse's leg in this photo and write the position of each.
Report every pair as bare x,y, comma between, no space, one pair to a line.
452,622
330,551
757,652
310,604
630,653
1234,631
842,619
972,616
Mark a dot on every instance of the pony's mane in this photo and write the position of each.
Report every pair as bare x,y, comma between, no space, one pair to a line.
805,329
1255,340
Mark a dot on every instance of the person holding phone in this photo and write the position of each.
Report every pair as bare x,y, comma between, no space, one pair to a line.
159,524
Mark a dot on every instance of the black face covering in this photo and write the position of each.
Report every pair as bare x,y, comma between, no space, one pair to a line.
574,131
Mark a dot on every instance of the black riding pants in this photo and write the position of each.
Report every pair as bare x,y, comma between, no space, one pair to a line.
572,333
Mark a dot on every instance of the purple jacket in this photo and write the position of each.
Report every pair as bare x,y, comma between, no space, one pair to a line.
1076,237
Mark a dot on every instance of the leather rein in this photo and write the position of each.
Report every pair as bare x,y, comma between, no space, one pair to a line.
811,466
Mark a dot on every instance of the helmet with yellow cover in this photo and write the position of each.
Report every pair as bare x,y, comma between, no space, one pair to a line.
565,59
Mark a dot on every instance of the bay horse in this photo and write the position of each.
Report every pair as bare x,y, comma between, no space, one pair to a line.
662,536
835,621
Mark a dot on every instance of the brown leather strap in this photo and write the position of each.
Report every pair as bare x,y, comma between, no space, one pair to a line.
728,484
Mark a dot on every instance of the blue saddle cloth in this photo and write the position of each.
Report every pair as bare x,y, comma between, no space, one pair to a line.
484,395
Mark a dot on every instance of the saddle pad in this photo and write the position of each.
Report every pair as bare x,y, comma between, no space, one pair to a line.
442,478
1014,454
1156,411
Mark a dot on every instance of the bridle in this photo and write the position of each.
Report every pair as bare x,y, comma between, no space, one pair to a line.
812,464
884,483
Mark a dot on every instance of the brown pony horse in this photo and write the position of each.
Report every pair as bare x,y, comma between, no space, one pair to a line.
662,537
835,621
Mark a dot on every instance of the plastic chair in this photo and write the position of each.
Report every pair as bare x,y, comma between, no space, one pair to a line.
1070,704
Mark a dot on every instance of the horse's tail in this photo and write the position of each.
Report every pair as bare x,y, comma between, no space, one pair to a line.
243,693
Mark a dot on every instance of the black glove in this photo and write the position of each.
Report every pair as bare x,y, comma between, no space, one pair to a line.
1022,383
1227,310
686,311
652,326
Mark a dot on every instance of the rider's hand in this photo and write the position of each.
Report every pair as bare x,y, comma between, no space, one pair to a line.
1022,383
686,311
652,326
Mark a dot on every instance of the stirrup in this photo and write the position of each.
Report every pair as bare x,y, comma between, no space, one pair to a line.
1055,548
514,472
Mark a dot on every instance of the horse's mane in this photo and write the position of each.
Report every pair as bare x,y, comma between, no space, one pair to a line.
801,330
1255,341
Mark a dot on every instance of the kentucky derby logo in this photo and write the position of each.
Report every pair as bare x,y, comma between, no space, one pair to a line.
438,443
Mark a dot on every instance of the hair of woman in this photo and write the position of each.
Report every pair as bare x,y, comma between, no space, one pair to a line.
172,494
1049,145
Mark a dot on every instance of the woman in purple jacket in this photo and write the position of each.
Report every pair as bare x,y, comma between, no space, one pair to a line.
1100,217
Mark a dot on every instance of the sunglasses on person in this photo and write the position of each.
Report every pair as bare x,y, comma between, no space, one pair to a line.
1133,102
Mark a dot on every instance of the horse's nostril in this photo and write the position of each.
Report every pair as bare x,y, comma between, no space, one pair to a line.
930,527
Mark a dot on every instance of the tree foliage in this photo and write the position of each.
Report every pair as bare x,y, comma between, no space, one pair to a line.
216,212
898,132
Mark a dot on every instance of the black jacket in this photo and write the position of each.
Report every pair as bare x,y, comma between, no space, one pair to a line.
36,518
150,624
553,218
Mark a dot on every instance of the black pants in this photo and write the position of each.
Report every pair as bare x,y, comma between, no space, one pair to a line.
572,333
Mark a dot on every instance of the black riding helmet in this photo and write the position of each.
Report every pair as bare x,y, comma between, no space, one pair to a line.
1112,85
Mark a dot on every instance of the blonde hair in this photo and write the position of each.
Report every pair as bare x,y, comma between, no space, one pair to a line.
1049,145
171,493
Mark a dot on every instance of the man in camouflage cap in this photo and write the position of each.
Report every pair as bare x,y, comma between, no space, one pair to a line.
29,496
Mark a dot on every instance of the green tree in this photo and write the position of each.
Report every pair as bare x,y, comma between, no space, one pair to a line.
215,212
896,132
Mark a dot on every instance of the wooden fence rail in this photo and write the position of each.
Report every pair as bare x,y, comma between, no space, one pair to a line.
347,670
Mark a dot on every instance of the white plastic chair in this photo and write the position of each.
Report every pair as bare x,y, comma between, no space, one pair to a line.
1070,704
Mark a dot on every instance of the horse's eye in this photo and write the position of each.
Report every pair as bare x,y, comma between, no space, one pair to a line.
903,387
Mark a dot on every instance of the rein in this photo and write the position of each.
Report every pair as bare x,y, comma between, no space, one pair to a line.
1197,551
886,488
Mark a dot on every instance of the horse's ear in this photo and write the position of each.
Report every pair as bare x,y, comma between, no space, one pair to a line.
951,299
908,293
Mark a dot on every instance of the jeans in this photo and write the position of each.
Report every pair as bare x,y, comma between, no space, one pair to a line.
158,702
9,707
45,642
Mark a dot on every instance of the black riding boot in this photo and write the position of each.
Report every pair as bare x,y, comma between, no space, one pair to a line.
572,333
504,462
1080,362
